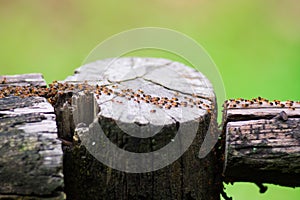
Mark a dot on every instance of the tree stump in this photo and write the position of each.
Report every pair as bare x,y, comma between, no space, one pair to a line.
139,106
31,155
262,141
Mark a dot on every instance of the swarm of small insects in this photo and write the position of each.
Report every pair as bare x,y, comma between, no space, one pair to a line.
57,88
260,102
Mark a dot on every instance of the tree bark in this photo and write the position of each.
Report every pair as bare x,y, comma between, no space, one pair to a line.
31,155
263,143
181,102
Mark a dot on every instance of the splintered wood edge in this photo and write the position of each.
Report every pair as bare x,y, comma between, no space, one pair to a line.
132,73
256,108
84,103
268,133
37,131
35,79
257,112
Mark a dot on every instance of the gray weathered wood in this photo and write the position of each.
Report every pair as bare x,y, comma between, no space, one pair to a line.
120,112
262,137
31,155
22,80
262,142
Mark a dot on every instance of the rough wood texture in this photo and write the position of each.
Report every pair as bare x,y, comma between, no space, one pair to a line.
22,80
139,125
263,143
31,155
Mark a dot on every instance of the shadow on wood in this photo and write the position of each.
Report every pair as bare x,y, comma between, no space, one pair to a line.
140,105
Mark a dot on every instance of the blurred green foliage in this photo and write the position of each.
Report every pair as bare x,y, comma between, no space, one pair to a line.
255,44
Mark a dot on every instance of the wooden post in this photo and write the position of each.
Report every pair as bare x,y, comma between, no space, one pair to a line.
136,95
141,105
262,141
31,155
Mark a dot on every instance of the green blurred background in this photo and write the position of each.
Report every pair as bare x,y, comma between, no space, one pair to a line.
255,44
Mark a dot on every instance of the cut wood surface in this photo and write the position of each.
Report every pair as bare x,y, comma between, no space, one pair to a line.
31,155
262,142
141,105
112,111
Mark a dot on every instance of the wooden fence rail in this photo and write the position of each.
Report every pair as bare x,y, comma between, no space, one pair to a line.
45,130
262,141
31,156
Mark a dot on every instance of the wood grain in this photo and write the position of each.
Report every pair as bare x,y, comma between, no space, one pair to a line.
31,155
263,144
130,122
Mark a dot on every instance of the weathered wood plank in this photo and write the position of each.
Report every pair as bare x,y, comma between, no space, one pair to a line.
22,80
31,155
262,142
141,107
